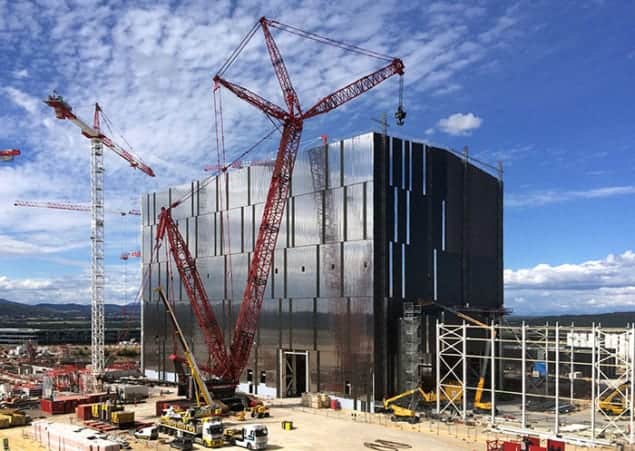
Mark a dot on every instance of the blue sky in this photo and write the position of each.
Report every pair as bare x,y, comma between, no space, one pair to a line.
544,87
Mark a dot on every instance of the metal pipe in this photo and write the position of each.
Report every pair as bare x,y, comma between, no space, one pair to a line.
593,400
493,375
571,366
438,361
524,377
631,387
464,363
557,383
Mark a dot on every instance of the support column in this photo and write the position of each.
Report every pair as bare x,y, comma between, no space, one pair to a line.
557,380
593,376
493,375
464,363
438,369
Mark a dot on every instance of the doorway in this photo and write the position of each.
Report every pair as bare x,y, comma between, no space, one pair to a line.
294,374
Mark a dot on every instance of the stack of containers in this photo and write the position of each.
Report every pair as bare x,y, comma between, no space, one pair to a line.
66,437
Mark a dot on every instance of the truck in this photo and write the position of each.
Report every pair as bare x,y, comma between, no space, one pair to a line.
250,436
207,432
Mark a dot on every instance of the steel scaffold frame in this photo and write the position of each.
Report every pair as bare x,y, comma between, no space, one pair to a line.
600,362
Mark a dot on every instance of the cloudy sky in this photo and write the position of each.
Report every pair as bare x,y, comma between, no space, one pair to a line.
544,87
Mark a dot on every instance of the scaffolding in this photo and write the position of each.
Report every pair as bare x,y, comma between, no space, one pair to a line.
571,383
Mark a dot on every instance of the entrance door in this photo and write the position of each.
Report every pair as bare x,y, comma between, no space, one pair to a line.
295,373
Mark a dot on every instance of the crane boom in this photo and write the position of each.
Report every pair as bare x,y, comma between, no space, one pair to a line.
64,111
68,206
189,357
195,289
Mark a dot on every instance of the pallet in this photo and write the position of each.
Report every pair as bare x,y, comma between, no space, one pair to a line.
100,426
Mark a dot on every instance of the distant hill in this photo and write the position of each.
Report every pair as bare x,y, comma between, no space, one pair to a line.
615,319
19,310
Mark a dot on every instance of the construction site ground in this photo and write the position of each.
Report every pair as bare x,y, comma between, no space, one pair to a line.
314,429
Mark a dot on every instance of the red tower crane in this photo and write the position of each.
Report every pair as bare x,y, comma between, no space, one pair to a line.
8,154
292,119
69,206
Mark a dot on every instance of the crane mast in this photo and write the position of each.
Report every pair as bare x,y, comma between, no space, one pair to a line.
293,121
97,140
230,366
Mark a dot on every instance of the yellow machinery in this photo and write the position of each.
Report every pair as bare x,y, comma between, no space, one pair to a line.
194,422
615,402
479,406
409,414
13,417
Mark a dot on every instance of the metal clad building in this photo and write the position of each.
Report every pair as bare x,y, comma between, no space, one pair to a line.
371,222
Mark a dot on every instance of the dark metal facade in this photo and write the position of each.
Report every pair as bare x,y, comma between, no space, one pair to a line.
371,221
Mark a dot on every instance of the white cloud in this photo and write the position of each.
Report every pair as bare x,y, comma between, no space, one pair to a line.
595,285
460,123
22,99
540,198
21,73
429,131
150,67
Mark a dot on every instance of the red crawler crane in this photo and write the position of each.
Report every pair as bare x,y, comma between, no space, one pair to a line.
292,119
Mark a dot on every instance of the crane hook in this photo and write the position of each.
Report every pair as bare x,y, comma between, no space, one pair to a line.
400,114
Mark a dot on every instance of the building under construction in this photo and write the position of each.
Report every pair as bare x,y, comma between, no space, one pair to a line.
375,228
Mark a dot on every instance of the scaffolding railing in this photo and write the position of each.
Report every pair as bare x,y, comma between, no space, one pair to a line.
568,382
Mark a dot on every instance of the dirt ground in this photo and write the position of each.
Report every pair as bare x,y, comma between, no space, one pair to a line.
314,429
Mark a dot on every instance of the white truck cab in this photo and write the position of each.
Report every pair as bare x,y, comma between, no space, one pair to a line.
251,436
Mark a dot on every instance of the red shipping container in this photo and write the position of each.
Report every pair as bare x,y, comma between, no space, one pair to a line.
555,445
537,448
84,412
511,446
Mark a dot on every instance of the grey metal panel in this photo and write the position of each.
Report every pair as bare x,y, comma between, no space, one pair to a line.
207,195
205,235
232,224
358,268
237,268
330,270
302,324
358,159
355,212
302,181
239,187
307,221
147,243
334,223
259,181
248,228
334,157
184,209
362,348
278,274
369,223
302,272
145,213
212,272
286,324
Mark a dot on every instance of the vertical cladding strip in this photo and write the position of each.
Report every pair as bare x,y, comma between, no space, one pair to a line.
407,217
443,225
434,270
396,215
390,162
403,270
390,269
409,166
424,169
403,164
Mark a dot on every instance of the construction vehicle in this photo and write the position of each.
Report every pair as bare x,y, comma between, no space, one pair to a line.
416,395
250,436
147,433
13,417
615,403
290,119
113,413
478,406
